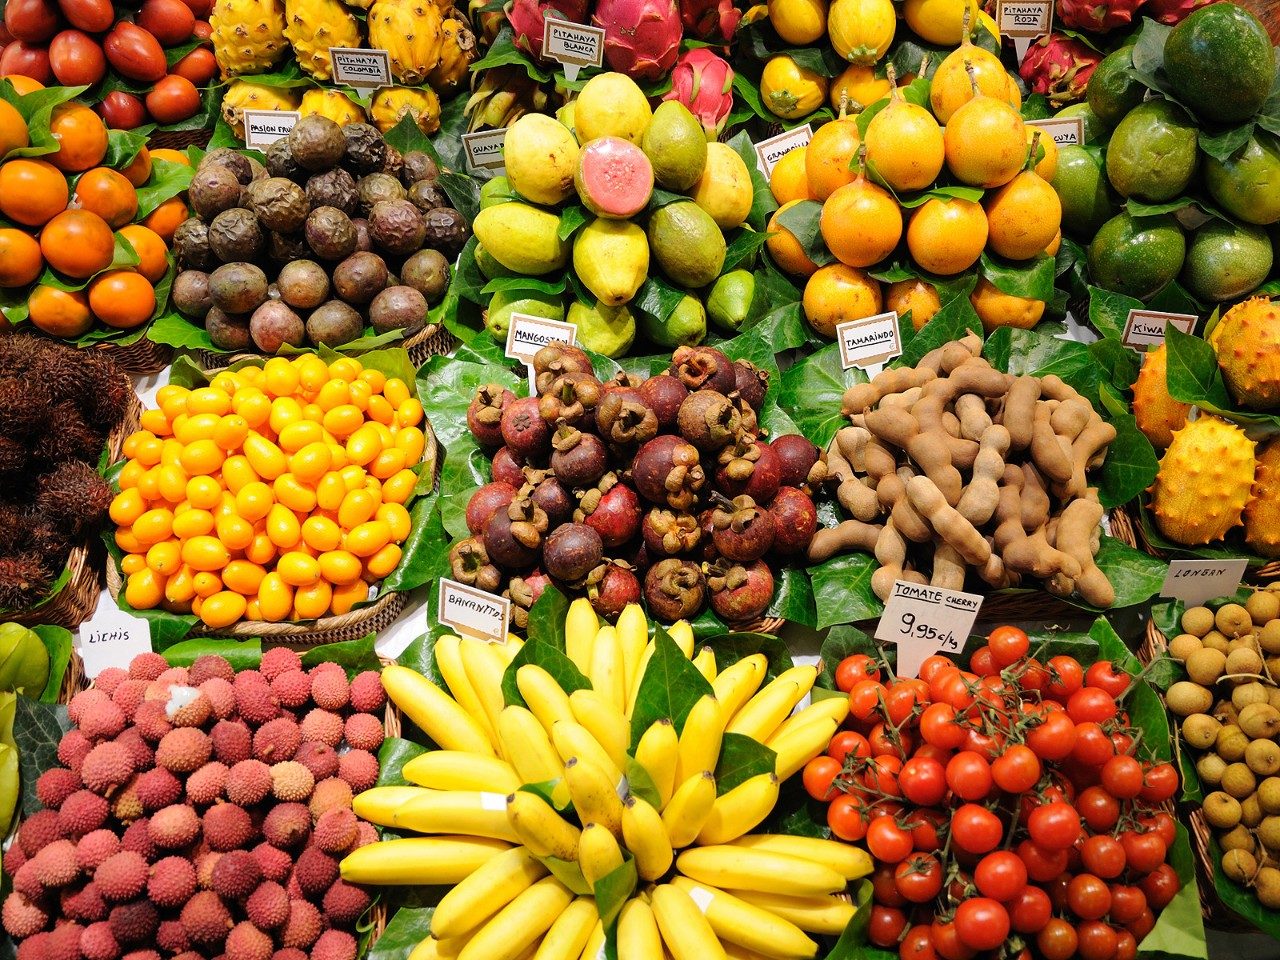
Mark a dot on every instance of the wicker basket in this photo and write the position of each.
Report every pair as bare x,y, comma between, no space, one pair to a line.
140,358
430,341
179,139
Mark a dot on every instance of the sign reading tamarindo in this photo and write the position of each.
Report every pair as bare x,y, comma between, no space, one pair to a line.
869,343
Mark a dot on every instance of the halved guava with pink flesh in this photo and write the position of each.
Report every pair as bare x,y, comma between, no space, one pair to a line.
614,178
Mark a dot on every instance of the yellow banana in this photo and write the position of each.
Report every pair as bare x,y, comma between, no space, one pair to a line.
470,812
435,712
684,929
379,804
852,863
448,652
572,739
646,838
594,950
633,636
527,746
638,937
747,925
819,914
455,770
633,688
430,949
799,745
682,633
763,713
580,627
540,828
604,721
485,892
608,670
569,934
738,682
485,668
520,923
598,852
705,661
741,868
508,649
689,808
544,696
658,751
594,794
419,861
733,951
738,810
700,739
829,708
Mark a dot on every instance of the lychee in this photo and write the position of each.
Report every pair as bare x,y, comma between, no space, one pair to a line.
210,665
330,690
320,758
359,768
315,871
172,882
232,741
275,863
56,865
303,927
21,917
278,660
287,825
108,765
345,903
207,784
183,750
235,875
121,877
174,827
205,919
134,922
367,694
276,740
291,781
148,666
322,725
55,785
329,794
247,942
221,696
228,827
292,688
268,906
334,945
97,942
363,731
248,782
335,830
158,788
95,847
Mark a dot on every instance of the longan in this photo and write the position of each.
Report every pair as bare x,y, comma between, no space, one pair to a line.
1263,757
1210,767
1214,641
1221,810
1238,838
1269,636
1269,833
1266,885
1263,606
1245,661
1239,865
1259,721
1184,645
1200,730
1269,795
1251,811
1206,666
1185,698
1197,620
1233,620
1231,743
1238,780
1248,694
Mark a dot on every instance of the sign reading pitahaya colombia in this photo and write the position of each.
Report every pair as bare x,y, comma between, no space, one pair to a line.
360,68
262,128
572,45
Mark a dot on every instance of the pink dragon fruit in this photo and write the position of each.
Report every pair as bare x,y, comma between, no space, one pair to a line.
703,82
1097,16
1173,12
526,18
1059,67
641,37
713,20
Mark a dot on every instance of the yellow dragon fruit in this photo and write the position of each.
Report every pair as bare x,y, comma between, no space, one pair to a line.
333,104
1262,515
390,104
1247,339
410,31
248,35
1204,481
312,27
501,96
457,52
242,95
1157,413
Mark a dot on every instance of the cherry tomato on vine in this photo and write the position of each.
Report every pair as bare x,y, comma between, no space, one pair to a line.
923,781
1097,941
856,667
1000,875
885,888
1008,645
1103,856
1054,737
1127,903
884,739
846,742
1126,946
969,775
818,776
1159,783
864,698
901,700
1042,865
976,829
1091,704
982,923
919,877
1103,674
1093,747
1122,777
1163,825
1088,896
938,726
1066,676
887,841
844,817
955,688
1017,770
1057,940
882,774
1145,852
947,942
926,832
1030,910
887,924
1054,826
1034,676
932,665
1142,926
918,944
983,662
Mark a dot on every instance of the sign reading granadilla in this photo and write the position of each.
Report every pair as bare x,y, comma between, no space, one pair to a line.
770,151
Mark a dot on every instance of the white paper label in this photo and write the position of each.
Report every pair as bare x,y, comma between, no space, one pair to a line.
262,128
572,45
493,801
483,150
529,334
1066,131
1024,18
769,152
474,613
1195,581
361,68
702,897
870,342
112,638
1145,328
922,620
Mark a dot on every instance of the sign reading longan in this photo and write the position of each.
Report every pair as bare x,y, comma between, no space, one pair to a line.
1195,581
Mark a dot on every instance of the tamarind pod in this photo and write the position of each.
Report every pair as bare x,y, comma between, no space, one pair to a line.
977,376
935,461
891,554
995,573
910,575
1035,501
979,500
948,568
1076,527
971,410
1049,452
951,424
850,443
1071,417
1009,508
859,499
1096,435
946,358
843,538
1034,555
1019,404
947,521
908,520
1055,388
879,460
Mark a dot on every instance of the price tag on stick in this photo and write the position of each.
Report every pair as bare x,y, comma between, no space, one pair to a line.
1195,581
361,68
922,620
112,638
1024,21
528,334
483,151
869,343
769,152
572,45
474,613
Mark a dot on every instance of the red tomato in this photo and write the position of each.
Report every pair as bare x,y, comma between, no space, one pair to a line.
846,742
844,817
1104,675
1030,910
938,726
1091,703
923,781
955,688
1042,865
1142,926
1054,826
1065,677
882,774
1159,783
1103,855
931,666
1008,645
976,829
1126,946
982,923
969,775
1088,896
947,942
884,739
918,944
887,924
1017,770
1057,940
1035,676
984,744
919,878
1127,903
885,886
1122,777
818,776
983,662
887,841
1093,746
1145,852
1054,737
1000,875
900,701
926,832
864,698
856,667
1163,825
1097,941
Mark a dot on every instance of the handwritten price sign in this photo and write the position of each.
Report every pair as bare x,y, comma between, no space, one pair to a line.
923,620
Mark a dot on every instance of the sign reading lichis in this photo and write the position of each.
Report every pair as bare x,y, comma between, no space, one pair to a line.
483,151
474,613
869,343
262,128
924,620
769,152
1066,131
361,68
1195,581
112,638
572,45
1145,328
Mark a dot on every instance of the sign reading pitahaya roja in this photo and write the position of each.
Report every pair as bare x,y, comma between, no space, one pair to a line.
360,68
1024,20
572,45
262,128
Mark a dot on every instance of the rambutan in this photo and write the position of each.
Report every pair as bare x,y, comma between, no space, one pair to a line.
71,439
24,581
121,877
74,495
26,406
108,391
367,694
14,457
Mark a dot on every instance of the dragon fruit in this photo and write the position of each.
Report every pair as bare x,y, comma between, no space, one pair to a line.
1059,67
714,20
526,18
1097,16
703,82
641,37
1173,12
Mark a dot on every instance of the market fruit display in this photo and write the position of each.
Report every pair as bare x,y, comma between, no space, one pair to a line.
354,235
1006,497
579,802
664,488
60,405
235,504
200,811
1011,798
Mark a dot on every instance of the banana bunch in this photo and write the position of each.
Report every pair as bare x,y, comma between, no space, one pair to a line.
523,862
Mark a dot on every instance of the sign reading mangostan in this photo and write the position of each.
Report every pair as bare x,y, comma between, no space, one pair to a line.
769,152
1195,581
484,151
361,68
1024,20
869,343
529,334
262,128
1066,131
112,638
474,613
1145,328
921,620
572,45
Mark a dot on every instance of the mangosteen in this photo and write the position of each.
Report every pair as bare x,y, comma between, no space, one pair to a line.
709,420
612,509
469,564
703,368
280,162
334,323
571,397
317,143
360,278
213,188
235,235
571,552
664,394
427,271
330,234
504,548
748,422
426,195
238,287
191,245
616,587
507,467
668,471
523,592
483,503
334,188
398,308
796,457
227,331
739,593
675,589
668,533
550,494
557,358
578,459
446,230
750,382
795,520
484,414
235,161
279,204
749,466
366,150
376,187
191,293
741,530
396,226
624,419
419,166
524,430
303,284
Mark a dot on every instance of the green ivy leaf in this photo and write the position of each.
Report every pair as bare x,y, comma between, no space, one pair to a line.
1032,279
812,391
1109,311
842,589
741,758
732,647
613,890
1131,463
394,753
841,642
804,221
38,727
550,659
408,927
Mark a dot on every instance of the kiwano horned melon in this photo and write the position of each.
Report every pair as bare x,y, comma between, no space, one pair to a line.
1262,514
313,26
242,96
1247,339
1157,413
248,36
1204,481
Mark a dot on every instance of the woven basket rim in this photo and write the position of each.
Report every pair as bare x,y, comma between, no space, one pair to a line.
213,361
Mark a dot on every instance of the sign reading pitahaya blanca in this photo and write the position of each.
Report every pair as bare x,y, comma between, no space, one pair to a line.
262,128
1145,328
484,151
869,343
572,45
1066,131
769,152
360,68
1024,21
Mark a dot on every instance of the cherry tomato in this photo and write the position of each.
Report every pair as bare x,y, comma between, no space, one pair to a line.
1121,741
864,698
918,944
987,745
1057,940
1159,783
982,923
1122,777
926,833
887,841
885,887
919,877
1054,737
938,726
1127,903
1054,826
1105,676
1091,704
856,667
1065,677
1097,941
1092,747
1000,876
846,742
845,819
1008,645
818,776
969,775
1160,885
935,753
1142,926
956,688
900,702
1126,946
976,829
884,739
1088,896
1030,910
983,662
882,774
1017,770
923,781
887,924
1042,865
1034,676
932,664
1103,855
1163,825
947,942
